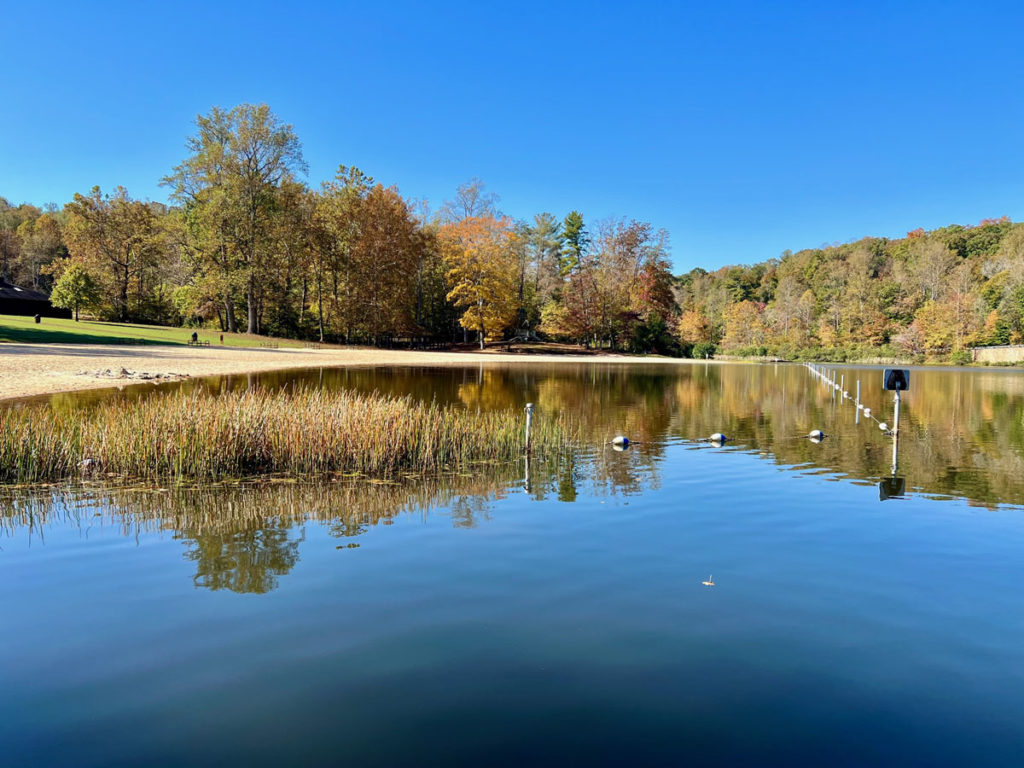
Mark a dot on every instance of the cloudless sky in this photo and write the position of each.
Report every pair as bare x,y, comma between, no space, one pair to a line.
742,128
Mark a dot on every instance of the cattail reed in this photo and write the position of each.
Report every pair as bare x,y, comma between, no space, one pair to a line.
305,431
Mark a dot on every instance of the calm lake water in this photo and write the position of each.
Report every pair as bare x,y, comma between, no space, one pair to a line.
487,619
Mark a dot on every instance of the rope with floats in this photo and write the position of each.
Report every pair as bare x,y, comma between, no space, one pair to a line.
621,442
830,382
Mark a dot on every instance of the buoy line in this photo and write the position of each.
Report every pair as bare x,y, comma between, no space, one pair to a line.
621,442
845,395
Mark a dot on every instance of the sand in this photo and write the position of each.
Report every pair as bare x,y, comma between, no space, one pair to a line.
39,369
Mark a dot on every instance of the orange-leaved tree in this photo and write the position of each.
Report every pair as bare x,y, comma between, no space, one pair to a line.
481,266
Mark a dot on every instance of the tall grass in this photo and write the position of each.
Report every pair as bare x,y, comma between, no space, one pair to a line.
305,431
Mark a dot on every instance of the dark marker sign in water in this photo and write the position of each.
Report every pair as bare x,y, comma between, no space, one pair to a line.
896,379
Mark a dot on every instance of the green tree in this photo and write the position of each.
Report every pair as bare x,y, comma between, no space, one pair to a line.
230,187
576,239
119,241
75,289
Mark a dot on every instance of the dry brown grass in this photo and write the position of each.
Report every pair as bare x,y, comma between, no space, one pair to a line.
306,431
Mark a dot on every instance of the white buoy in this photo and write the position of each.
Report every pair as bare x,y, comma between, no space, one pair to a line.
620,441
867,411
883,426
816,434
718,437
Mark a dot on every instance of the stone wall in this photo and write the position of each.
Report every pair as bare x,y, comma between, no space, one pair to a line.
1012,354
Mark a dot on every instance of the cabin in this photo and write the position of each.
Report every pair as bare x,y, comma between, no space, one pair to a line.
25,301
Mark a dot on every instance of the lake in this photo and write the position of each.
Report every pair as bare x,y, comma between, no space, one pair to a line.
553,613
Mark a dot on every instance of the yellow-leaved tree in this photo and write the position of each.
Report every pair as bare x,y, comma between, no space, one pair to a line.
480,258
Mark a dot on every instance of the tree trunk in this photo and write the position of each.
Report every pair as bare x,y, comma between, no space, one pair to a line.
124,297
229,311
250,297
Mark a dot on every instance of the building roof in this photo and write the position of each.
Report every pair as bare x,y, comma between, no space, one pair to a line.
10,291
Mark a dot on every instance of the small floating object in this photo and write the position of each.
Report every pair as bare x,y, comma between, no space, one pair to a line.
620,441
867,411
709,583
883,426
816,434
719,438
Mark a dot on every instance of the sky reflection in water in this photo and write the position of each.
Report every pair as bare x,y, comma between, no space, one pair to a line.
464,619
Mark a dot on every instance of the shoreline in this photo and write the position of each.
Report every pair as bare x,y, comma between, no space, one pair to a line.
33,370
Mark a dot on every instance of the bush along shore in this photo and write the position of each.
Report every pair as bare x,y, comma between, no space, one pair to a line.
299,432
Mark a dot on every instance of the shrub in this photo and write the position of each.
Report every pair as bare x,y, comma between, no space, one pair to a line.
703,349
960,357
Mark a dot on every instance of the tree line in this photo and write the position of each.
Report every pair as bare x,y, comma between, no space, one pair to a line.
931,293
245,245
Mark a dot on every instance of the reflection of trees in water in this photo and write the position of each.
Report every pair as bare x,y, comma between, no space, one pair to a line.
243,538
962,430
247,559
962,434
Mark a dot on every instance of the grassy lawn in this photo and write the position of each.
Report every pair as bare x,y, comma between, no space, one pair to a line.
54,331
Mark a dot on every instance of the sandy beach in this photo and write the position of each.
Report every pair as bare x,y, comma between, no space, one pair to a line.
39,369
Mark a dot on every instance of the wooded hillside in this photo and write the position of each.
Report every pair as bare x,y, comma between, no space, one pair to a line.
244,244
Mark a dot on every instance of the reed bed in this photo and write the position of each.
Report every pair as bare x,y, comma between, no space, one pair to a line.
306,431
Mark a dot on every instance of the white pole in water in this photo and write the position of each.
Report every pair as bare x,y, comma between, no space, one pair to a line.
529,423
896,434
858,394
842,383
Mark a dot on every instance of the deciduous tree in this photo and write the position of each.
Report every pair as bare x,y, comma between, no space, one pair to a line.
478,252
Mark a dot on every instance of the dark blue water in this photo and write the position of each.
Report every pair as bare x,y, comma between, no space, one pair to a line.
475,622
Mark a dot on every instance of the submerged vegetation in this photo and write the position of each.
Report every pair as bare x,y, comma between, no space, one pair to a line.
302,431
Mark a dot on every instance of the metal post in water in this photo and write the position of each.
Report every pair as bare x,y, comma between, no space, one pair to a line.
529,423
896,435
842,384
858,394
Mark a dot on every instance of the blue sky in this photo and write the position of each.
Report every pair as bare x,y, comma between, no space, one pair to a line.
742,128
